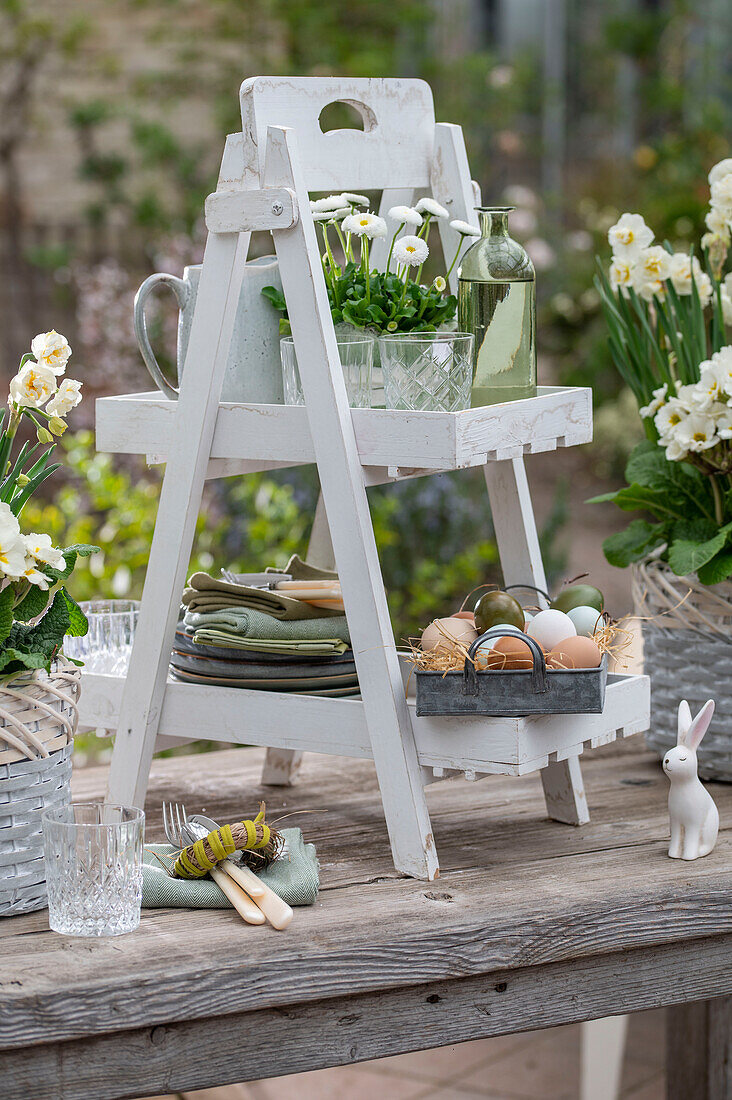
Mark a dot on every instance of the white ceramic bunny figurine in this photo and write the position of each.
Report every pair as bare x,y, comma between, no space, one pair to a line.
693,815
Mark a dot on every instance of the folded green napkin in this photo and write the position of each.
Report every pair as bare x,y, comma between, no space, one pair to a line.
206,593
244,622
301,570
320,647
295,877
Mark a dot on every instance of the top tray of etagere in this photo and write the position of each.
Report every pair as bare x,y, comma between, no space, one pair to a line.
263,436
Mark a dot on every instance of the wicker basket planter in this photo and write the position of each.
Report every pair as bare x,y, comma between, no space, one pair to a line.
687,652
39,711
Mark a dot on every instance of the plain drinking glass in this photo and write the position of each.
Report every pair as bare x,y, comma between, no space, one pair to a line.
93,860
428,371
357,356
107,646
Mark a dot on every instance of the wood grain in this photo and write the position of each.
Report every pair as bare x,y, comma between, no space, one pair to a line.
699,1049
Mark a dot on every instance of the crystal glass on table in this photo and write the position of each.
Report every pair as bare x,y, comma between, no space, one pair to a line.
107,646
427,371
356,353
93,861
497,303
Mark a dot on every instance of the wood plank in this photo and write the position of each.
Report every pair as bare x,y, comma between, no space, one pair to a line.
699,1049
248,211
145,423
354,1028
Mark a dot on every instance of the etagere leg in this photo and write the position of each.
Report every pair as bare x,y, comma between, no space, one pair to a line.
699,1050
342,481
518,548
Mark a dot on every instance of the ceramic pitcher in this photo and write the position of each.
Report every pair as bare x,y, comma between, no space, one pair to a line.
253,371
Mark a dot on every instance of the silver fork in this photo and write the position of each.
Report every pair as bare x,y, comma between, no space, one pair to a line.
180,835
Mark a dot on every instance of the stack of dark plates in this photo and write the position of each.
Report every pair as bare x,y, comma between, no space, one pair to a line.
304,675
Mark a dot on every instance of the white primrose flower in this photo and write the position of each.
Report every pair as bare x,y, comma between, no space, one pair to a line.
42,549
32,385
411,250
669,417
721,362
659,398
364,225
721,169
629,236
724,421
52,350
405,215
675,450
332,202
33,574
430,206
697,432
652,268
721,191
464,229
66,398
12,547
355,200
708,390
621,274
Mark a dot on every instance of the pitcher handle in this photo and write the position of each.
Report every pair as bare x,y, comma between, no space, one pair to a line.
181,290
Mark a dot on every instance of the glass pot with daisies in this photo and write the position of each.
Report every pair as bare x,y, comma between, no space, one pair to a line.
389,303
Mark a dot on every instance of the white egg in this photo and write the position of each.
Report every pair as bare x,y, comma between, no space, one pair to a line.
585,619
549,627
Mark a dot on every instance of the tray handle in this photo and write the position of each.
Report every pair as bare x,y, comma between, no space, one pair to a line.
539,682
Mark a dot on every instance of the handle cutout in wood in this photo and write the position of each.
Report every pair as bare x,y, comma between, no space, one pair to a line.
346,114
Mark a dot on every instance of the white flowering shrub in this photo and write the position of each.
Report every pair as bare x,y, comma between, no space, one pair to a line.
387,301
36,611
667,314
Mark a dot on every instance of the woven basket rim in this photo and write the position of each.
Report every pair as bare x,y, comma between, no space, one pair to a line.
671,602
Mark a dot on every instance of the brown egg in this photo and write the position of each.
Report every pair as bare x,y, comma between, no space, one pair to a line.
508,652
440,636
575,652
467,615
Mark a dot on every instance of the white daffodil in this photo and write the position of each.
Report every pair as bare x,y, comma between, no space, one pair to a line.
721,191
721,169
12,547
332,202
464,229
697,432
32,385
42,549
355,200
411,250
669,417
652,268
52,350
682,269
430,206
364,225
726,305
629,236
66,398
716,222
621,274
405,215
659,398
33,574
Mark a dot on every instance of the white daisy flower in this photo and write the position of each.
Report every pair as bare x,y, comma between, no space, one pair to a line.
697,432
621,274
332,202
439,283
33,385
629,236
405,215
52,350
42,549
652,268
66,398
355,200
430,206
721,169
659,398
365,225
721,191
411,250
464,229
331,215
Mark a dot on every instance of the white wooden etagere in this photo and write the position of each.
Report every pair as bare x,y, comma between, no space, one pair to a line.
266,175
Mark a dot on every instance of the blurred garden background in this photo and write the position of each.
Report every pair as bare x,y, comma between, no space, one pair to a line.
112,120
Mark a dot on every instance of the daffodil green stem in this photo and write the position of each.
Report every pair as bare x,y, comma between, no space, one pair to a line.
391,247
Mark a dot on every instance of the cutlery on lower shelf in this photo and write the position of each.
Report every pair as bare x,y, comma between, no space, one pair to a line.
278,912
174,824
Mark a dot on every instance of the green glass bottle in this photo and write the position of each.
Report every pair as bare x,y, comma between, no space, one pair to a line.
497,303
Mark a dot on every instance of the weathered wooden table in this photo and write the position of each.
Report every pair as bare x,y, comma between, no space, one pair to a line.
532,924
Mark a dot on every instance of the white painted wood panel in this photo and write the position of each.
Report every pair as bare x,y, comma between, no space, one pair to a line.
248,211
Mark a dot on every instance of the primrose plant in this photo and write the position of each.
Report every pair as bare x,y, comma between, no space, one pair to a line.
36,611
389,301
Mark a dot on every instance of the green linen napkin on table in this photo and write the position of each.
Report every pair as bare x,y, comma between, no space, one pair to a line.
322,647
301,570
295,877
244,622
206,593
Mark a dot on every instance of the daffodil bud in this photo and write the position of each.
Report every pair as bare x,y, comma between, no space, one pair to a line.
21,481
56,425
44,436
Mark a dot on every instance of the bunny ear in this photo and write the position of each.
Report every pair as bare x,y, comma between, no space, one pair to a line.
684,721
700,725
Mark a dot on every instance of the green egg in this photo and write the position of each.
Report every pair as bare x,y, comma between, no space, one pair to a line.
579,595
496,608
